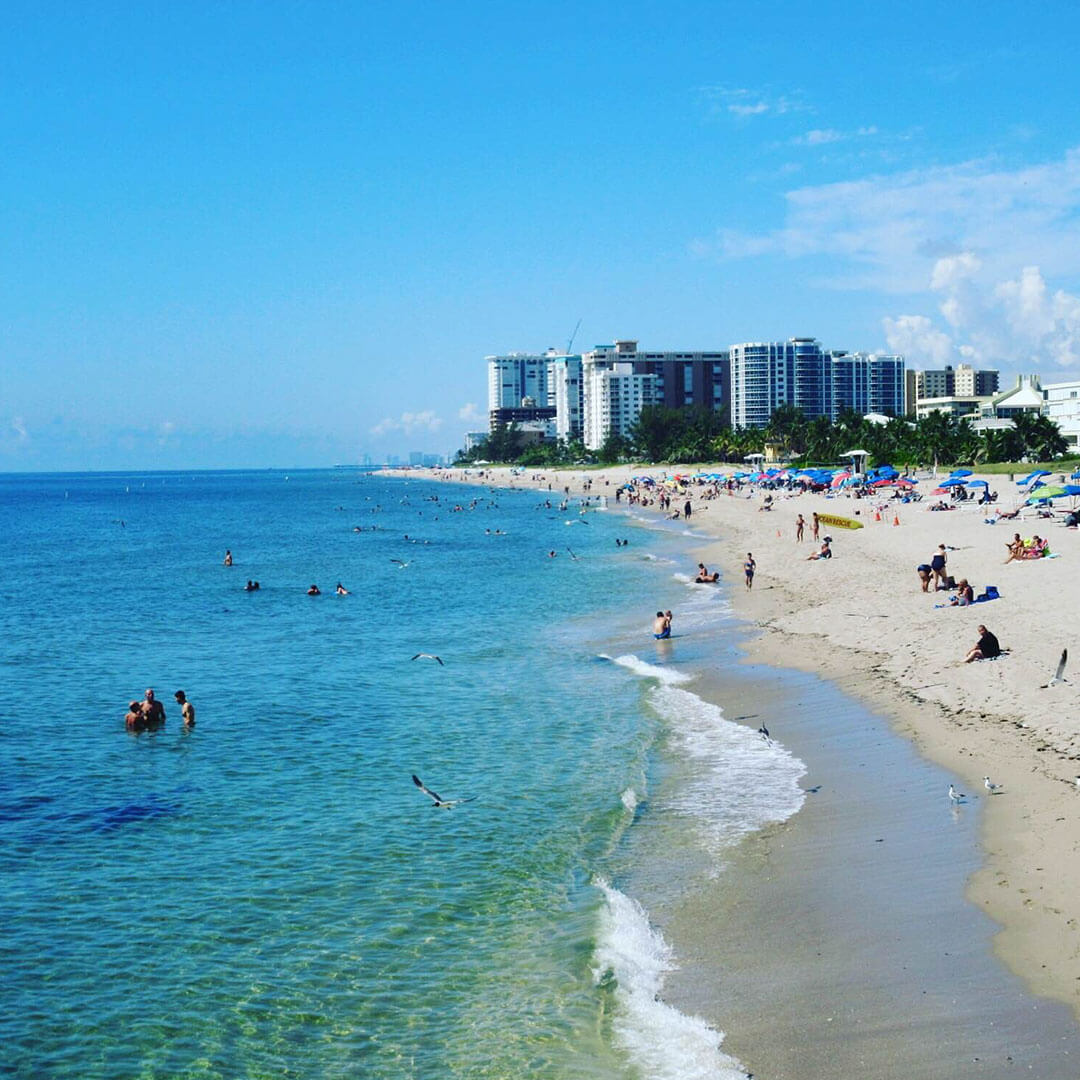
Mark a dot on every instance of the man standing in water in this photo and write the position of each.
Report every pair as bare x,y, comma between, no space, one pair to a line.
152,709
187,710
228,557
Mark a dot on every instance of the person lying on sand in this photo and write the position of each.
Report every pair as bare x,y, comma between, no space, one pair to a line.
704,577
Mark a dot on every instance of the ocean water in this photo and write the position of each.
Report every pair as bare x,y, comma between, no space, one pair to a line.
269,894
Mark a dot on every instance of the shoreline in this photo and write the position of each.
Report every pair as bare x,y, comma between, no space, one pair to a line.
861,623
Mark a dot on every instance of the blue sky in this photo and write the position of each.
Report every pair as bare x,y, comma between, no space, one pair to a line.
287,234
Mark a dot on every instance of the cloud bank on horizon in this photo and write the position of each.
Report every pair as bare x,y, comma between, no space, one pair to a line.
979,238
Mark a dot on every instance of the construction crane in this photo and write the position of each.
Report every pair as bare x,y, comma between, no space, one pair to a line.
570,343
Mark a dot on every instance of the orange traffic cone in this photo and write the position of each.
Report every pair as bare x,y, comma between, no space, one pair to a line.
896,519
877,515
777,532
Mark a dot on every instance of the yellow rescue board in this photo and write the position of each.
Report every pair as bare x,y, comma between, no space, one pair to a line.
838,522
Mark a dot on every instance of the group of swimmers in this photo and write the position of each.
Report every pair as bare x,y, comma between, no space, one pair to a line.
149,714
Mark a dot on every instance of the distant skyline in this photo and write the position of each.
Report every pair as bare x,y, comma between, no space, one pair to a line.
257,235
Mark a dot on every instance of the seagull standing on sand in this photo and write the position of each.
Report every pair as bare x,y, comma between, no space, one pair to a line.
956,796
1059,675
991,786
429,656
441,803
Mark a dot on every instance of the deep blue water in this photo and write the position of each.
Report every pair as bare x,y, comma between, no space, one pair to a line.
269,894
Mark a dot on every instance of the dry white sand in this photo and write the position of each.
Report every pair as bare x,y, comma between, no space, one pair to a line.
862,621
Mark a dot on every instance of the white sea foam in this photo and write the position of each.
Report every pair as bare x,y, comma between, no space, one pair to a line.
629,799
684,578
737,782
660,1041
652,671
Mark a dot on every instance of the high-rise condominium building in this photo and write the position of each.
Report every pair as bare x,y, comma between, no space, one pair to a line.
618,381
516,376
566,393
964,381
820,382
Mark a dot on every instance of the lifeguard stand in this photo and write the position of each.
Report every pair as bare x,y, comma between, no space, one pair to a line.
858,459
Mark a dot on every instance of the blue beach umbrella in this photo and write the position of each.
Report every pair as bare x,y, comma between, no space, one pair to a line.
953,481
961,472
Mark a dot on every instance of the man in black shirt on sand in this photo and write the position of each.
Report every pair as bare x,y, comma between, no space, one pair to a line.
986,648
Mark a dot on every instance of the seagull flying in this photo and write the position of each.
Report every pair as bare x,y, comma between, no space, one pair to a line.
429,656
991,786
956,796
401,565
443,804
579,521
763,731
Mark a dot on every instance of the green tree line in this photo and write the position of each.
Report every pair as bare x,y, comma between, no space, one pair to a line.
677,436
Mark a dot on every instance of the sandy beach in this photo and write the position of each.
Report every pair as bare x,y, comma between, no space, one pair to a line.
861,621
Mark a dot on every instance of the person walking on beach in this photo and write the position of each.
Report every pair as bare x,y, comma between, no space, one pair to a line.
816,525
686,510
187,710
800,524
748,568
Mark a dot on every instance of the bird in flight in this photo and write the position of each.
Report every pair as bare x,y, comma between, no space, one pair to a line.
763,731
400,563
991,786
1059,675
429,656
579,521
443,804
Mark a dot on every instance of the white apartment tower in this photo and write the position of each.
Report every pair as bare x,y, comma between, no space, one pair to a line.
566,392
516,376
614,394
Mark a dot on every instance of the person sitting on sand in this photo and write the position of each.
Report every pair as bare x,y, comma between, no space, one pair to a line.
314,591
1015,547
704,577
662,626
964,594
824,553
986,648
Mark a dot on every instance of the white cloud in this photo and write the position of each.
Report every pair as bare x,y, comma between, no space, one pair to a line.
470,414
916,337
409,423
1016,323
888,232
19,427
743,103
164,431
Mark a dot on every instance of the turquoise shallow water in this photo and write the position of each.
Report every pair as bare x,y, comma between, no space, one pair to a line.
269,895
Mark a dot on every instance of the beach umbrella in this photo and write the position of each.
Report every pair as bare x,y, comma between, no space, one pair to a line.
977,483
905,482
960,472
1072,489
839,478
1032,476
953,481
1045,493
